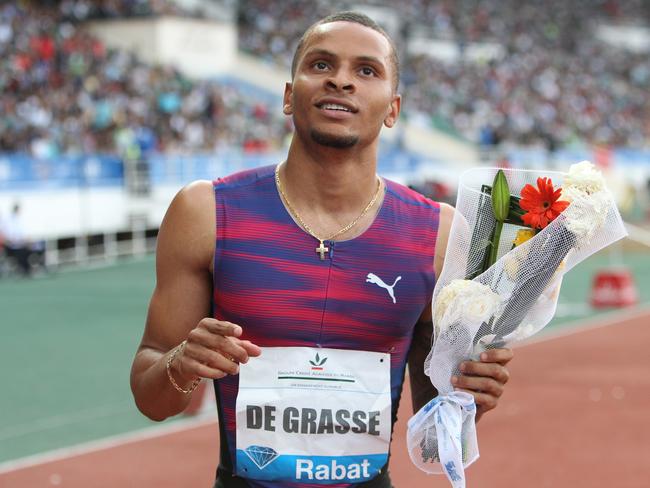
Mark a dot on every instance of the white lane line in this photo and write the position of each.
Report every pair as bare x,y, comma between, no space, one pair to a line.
109,442
587,324
572,310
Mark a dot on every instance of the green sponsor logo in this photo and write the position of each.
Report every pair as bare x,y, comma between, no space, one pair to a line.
317,362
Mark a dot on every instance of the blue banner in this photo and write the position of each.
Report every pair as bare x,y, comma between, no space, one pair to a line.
22,172
262,463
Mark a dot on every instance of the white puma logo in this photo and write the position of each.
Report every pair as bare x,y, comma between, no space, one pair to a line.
373,278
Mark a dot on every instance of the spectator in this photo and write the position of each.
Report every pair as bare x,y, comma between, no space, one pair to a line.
16,245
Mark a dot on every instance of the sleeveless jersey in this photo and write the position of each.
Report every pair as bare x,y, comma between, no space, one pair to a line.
269,279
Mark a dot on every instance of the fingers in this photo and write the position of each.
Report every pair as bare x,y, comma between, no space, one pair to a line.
485,379
484,401
480,384
233,331
252,349
219,360
213,350
195,369
221,327
501,356
201,338
223,337
495,371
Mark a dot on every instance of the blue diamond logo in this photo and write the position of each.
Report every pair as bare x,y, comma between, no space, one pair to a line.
261,456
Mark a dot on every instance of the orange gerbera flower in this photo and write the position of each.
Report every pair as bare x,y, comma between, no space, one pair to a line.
542,203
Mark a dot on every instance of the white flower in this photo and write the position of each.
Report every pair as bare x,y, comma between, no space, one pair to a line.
464,300
584,186
584,177
585,216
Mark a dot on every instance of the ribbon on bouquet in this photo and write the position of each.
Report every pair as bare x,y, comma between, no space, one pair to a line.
447,441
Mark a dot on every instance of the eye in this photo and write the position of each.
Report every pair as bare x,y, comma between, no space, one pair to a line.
368,71
320,65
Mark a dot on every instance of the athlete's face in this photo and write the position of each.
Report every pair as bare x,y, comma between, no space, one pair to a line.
342,91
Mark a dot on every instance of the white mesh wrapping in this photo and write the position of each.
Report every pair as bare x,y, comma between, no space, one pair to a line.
514,299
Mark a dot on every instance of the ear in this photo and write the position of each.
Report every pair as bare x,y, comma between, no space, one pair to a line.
287,102
393,111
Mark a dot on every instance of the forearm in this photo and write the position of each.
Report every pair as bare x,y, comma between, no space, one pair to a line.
422,391
153,392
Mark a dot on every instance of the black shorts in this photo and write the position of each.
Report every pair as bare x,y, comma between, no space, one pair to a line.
225,479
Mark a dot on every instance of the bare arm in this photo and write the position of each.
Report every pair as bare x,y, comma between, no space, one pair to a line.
179,310
422,391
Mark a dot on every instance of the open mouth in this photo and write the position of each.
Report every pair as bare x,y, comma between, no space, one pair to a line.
335,106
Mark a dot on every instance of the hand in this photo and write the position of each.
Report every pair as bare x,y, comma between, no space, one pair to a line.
213,350
485,379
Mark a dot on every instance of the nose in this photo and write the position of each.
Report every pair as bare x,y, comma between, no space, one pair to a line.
341,80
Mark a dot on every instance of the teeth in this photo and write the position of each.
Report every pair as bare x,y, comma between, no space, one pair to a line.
334,106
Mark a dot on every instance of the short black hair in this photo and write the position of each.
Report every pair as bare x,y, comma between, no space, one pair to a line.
357,18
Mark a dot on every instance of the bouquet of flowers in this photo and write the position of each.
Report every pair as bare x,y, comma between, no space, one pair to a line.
500,283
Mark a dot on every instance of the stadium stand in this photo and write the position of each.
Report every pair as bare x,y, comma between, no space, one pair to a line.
65,92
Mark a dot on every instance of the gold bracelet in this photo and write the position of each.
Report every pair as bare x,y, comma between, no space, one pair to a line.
171,357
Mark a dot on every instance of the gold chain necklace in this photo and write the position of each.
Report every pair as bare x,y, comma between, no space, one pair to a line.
322,249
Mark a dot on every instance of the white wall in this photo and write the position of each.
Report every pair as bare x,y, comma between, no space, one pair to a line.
199,48
451,52
634,38
65,213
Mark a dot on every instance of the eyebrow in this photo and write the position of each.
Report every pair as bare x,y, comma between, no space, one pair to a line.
325,52
372,60
319,52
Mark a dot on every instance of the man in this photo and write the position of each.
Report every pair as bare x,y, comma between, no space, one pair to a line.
315,260
15,242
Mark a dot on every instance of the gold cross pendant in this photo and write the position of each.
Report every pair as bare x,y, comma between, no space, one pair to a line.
322,249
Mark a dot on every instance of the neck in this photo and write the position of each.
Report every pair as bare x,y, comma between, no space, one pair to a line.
334,181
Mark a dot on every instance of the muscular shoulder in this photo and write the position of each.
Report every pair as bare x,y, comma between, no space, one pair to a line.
188,229
198,192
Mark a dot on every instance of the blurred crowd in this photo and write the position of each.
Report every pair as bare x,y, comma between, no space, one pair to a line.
80,10
554,83
62,91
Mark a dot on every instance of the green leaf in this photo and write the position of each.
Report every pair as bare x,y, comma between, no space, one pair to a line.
313,363
323,361
500,197
317,358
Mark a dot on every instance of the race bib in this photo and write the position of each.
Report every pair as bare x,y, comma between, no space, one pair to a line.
313,415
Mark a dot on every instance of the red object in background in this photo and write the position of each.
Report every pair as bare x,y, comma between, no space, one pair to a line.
252,146
602,156
98,49
613,287
260,111
22,62
44,47
503,162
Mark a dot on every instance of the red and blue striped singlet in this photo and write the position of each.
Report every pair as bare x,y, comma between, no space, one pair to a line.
269,280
